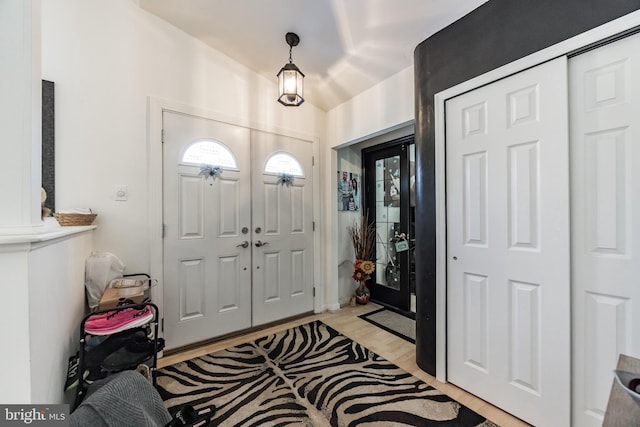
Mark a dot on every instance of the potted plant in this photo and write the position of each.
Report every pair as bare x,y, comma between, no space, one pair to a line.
363,238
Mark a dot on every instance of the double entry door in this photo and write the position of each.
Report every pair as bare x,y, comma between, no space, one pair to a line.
238,228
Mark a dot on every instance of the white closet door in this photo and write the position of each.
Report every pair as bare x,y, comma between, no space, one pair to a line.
605,180
508,321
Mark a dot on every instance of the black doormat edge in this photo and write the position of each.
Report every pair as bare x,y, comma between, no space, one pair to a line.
386,328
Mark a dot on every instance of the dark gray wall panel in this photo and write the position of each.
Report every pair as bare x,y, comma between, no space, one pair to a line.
48,144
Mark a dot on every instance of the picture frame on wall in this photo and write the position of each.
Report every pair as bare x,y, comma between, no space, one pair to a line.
348,191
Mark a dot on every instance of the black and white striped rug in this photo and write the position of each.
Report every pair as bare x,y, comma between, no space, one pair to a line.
310,375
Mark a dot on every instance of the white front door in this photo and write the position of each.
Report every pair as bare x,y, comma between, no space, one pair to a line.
282,227
238,241
508,293
605,153
207,271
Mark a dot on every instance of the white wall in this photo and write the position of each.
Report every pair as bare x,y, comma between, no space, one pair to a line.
42,268
56,307
349,160
15,368
106,58
382,108
44,304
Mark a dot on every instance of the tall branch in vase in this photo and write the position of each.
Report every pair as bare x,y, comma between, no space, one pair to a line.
363,238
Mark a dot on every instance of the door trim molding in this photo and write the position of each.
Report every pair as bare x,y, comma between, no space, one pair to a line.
155,108
567,47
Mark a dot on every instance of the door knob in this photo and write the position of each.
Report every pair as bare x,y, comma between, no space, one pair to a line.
260,243
244,244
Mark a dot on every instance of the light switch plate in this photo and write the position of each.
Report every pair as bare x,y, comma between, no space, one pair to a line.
120,193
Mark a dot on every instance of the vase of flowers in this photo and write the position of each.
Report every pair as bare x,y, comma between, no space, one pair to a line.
363,238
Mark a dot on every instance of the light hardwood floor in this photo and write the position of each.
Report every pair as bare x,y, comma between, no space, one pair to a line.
395,349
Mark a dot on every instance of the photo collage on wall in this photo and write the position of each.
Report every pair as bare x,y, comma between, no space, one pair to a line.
348,191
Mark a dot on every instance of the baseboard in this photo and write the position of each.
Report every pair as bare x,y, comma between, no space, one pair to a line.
333,307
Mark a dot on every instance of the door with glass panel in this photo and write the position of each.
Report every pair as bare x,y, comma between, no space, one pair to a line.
390,203
207,218
282,227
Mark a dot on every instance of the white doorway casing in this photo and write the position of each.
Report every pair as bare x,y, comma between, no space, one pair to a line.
604,32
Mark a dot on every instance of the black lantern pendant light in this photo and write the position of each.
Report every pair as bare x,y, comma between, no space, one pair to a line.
290,78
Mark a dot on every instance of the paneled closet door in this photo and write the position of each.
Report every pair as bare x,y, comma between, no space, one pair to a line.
605,180
508,291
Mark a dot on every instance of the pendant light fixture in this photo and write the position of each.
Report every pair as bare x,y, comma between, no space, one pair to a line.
290,78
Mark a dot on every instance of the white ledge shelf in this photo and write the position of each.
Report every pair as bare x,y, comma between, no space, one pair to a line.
44,235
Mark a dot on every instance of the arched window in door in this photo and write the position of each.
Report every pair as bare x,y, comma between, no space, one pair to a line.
282,162
209,152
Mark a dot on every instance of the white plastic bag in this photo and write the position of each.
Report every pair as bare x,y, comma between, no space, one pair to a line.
100,269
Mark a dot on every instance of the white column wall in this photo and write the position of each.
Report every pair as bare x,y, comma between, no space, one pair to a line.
20,206
15,369
57,305
44,304
20,116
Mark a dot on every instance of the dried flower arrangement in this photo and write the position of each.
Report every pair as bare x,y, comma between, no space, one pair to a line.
363,238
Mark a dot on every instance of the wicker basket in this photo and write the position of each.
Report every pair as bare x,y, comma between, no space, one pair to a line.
67,219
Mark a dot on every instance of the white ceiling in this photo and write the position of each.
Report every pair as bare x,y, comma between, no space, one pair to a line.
346,46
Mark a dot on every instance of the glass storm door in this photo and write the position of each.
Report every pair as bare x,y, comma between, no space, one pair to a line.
388,202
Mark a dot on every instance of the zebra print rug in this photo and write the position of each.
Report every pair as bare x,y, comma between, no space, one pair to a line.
310,375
